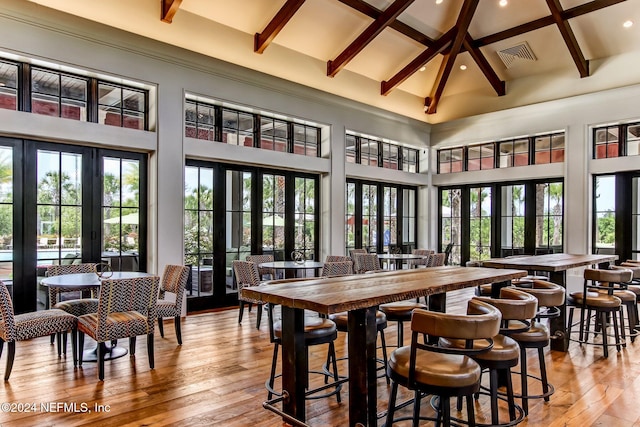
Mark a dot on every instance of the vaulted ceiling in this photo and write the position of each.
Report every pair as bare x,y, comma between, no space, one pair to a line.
433,60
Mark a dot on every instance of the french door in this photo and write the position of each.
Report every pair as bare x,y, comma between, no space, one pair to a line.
67,204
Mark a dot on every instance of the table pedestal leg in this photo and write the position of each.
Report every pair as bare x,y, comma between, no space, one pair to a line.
362,367
294,362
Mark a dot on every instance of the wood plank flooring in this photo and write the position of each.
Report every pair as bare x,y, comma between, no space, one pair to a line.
216,378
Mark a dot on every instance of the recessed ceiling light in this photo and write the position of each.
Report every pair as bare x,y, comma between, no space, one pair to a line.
439,1
463,67
423,68
503,3
627,24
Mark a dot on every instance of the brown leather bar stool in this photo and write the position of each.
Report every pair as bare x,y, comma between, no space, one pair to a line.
517,309
317,331
550,297
445,372
342,319
604,304
400,312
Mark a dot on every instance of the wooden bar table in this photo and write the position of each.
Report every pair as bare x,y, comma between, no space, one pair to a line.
359,295
556,265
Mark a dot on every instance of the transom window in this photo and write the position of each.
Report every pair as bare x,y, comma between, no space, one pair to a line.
525,151
375,152
616,141
39,90
211,122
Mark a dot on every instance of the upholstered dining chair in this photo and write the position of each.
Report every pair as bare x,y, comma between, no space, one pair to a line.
414,263
264,271
36,324
338,258
126,309
174,281
75,306
363,263
247,274
337,268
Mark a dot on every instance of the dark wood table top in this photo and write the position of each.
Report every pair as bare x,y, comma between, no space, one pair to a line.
548,262
344,293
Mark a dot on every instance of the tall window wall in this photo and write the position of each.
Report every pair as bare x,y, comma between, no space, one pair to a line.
232,212
502,219
380,217
616,215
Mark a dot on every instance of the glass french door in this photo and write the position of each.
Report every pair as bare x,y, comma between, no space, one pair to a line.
54,211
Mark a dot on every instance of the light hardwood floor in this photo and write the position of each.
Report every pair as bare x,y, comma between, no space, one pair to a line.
217,378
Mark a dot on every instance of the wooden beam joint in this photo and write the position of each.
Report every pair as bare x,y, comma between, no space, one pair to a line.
169,9
286,12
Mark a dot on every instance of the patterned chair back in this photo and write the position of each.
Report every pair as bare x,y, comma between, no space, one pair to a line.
8,331
354,252
337,268
59,270
259,259
125,295
174,280
366,262
246,274
422,252
436,260
338,258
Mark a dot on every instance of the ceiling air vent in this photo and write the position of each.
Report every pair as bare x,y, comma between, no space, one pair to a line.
512,55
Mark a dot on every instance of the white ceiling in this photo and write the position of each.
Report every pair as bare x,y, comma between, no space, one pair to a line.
321,29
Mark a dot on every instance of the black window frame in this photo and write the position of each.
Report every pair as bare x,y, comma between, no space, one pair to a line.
358,154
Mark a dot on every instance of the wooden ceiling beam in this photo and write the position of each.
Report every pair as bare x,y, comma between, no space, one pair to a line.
574,12
286,12
169,9
366,9
462,26
569,38
439,46
367,36
485,67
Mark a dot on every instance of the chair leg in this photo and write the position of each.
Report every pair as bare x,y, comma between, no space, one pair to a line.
259,318
543,373
510,400
176,324
446,411
603,317
59,342
102,349
471,416
64,342
384,355
332,351
616,331
241,311
1,346
523,379
416,408
400,333
132,346
150,351
392,404
11,354
272,375
80,347
74,345
493,388
161,326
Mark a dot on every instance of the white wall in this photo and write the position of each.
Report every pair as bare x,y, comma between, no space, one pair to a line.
31,31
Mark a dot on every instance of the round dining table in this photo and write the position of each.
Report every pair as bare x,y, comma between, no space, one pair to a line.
294,266
67,283
398,259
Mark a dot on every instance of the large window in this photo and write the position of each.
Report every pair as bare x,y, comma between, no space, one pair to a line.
380,209
605,209
480,223
514,153
232,212
549,216
512,220
198,228
451,222
497,220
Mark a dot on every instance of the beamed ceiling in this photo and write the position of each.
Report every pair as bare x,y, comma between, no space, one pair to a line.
404,56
